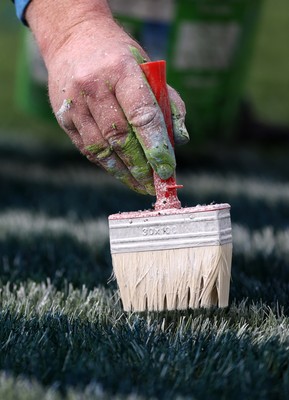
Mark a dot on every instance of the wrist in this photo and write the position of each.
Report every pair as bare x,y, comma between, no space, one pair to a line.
53,22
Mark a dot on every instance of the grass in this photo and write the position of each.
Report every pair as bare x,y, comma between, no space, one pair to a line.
63,334
80,341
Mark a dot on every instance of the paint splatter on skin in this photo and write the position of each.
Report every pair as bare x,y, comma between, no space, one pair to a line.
83,93
161,155
142,153
66,105
103,157
181,134
137,55
128,152
158,149
109,85
98,151
128,149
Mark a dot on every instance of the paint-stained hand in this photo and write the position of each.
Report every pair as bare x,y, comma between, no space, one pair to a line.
101,99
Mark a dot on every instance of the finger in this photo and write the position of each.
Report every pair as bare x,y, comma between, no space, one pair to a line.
178,109
64,114
76,120
64,118
75,138
144,115
116,131
98,151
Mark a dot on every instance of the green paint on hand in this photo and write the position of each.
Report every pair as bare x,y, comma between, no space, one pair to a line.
181,134
109,85
138,174
93,148
137,55
163,162
158,152
99,152
130,151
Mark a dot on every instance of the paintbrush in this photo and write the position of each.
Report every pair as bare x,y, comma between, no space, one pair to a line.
171,257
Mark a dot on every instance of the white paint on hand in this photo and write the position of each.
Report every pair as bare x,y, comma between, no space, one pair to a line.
66,105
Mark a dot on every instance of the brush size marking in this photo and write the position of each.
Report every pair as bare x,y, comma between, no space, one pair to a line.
158,231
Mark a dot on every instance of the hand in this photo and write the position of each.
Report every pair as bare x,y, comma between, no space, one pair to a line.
100,96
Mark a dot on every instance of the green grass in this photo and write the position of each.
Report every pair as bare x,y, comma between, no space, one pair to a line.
63,334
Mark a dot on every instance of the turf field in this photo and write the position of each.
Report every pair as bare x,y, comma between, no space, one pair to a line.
63,334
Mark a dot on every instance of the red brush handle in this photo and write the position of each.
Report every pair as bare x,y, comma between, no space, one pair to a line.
166,190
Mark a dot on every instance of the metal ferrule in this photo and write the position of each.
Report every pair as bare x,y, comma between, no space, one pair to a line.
177,230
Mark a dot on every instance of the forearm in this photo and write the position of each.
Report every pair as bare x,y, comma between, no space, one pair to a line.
52,22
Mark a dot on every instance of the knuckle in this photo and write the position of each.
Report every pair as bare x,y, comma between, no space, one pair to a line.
118,143
145,116
71,131
81,77
83,120
97,152
84,83
84,87
66,124
115,135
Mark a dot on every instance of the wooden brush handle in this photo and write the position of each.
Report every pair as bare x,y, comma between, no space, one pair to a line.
166,189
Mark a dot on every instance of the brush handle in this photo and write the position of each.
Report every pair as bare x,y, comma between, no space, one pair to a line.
166,189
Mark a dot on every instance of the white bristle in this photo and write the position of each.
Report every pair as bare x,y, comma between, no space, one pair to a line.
174,279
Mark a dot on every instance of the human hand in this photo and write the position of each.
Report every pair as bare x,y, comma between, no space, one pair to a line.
101,98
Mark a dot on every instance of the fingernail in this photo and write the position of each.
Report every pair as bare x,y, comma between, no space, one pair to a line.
164,171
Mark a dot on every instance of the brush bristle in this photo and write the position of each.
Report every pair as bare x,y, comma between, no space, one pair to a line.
174,279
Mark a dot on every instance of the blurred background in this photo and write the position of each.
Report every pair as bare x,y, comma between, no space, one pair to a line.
250,100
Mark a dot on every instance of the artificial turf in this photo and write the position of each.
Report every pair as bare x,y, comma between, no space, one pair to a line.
63,334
